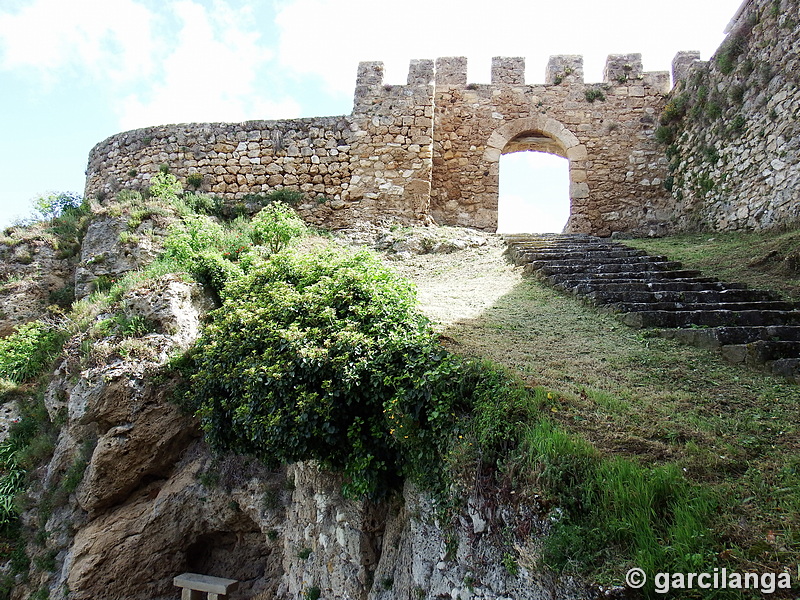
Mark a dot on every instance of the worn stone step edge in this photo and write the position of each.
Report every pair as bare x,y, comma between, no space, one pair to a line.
695,306
714,337
687,296
711,318
588,268
760,352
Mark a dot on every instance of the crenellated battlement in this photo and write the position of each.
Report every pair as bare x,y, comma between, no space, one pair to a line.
567,69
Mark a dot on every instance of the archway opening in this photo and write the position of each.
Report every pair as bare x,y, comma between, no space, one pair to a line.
534,192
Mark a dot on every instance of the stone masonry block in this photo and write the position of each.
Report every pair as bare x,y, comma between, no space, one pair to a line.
681,64
451,70
506,70
622,68
564,68
370,73
420,72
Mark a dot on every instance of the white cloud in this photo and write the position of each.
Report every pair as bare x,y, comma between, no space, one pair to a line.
109,38
329,37
210,72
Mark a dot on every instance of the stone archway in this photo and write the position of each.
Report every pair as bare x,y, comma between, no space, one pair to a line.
545,134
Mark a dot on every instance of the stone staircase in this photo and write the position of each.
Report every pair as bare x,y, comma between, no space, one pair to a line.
747,326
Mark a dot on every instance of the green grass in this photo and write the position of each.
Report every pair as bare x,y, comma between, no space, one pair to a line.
766,260
731,432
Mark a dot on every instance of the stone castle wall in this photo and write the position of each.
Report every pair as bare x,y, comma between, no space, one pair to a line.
732,127
428,149
605,130
234,159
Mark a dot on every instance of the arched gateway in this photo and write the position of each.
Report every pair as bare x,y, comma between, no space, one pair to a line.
429,149
540,133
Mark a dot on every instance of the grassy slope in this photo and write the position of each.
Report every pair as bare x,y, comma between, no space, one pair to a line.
655,401
763,260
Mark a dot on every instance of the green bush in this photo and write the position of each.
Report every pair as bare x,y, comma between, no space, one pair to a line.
675,109
665,134
592,94
194,180
29,350
286,196
203,204
276,226
164,186
323,357
200,246
56,205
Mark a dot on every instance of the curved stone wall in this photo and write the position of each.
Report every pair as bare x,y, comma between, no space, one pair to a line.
428,149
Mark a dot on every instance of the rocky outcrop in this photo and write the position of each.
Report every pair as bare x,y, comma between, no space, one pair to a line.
34,274
115,245
154,502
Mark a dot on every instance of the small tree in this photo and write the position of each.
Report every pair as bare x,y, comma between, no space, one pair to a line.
276,226
55,205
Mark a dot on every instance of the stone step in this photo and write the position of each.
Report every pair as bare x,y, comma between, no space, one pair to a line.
760,352
710,318
590,260
748,326
715,337
656,287
686,275
687,306
603,267
694,296
580,254
785,367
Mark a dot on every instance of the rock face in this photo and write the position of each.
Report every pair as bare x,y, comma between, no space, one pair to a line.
148,500
106,254
32,276
736,154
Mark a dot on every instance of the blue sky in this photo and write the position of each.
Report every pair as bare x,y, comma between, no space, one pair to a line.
75,72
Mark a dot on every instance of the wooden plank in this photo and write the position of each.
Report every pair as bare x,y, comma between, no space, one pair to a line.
205,583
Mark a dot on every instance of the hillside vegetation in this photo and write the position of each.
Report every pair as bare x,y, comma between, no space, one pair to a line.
636,451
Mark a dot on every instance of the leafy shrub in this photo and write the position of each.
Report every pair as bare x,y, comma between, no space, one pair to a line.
323,358
164,186
665,134
592,94
29,350
196,245
675,109
276,226
194,180
56,205
203,204
286,196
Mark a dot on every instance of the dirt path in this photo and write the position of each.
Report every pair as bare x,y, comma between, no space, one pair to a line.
454,287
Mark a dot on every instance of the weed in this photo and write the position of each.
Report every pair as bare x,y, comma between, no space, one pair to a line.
510,564
592,94
304,553
312,593
194,180
209,479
